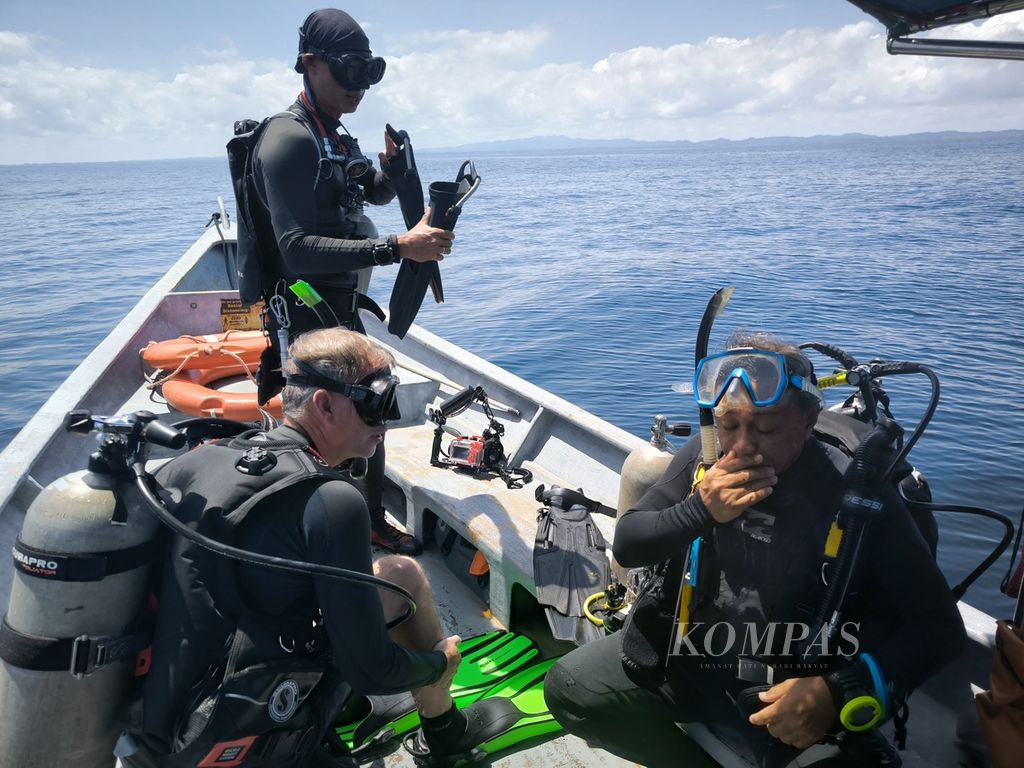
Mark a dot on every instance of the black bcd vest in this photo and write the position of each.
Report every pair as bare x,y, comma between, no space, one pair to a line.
228,683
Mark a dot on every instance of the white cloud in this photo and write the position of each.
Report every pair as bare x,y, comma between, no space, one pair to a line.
517,44
461,86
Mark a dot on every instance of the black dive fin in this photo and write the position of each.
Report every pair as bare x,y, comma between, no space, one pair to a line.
406,178
408,292
413,278
569,565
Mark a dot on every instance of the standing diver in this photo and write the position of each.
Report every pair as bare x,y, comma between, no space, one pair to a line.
761,513
311,183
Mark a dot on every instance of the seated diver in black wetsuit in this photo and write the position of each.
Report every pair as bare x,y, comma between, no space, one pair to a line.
220,622
763,512
312,183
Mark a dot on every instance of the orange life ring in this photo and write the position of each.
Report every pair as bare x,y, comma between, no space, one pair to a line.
190,391
217,350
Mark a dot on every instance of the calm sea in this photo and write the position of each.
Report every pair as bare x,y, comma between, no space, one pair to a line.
587,273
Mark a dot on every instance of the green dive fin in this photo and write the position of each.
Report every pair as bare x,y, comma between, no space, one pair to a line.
510,713
525,690
487,659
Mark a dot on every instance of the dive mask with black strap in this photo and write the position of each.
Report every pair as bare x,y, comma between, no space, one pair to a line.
375,397
354,71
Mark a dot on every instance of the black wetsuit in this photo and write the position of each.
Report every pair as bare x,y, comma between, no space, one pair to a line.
215,610
328,523
311,205
763,567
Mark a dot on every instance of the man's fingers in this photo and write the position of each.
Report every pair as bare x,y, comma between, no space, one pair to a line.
757,483
752,476
750,499
765,715
733,463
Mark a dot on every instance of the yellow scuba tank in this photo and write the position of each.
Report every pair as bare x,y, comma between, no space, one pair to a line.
68,643
643,467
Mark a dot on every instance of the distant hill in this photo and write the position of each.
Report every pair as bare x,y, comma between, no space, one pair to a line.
568,143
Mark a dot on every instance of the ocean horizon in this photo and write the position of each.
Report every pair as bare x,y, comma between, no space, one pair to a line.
559,143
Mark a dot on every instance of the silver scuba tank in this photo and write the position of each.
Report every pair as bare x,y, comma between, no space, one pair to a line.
642,468
81,577
365,228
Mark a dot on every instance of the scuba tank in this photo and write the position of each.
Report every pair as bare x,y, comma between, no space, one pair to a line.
642,468
82,567
365,229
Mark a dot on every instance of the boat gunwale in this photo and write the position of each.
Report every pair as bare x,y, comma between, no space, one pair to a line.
21,455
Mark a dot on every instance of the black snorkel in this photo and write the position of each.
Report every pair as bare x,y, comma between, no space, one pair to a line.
709,455
715,307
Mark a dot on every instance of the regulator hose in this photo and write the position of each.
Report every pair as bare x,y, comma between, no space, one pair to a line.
142,482
858,503
1008,531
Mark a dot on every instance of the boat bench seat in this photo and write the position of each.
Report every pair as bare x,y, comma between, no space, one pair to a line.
499,521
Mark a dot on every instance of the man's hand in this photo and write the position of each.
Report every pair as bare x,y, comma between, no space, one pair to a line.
390,150
424,242
800,711
449,647
735,483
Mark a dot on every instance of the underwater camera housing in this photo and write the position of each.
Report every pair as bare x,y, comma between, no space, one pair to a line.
473,452
476,452
480,454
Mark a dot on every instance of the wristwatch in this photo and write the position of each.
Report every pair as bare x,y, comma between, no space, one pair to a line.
386,252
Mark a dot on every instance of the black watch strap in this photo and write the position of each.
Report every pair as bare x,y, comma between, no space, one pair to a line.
382,254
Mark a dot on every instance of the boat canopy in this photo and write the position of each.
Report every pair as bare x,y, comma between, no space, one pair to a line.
905,17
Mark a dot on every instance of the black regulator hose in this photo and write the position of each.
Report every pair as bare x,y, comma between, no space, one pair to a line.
901,368
142,480
859,506
830,350
1008,531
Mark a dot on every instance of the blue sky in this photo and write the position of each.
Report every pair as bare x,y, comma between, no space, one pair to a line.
136,80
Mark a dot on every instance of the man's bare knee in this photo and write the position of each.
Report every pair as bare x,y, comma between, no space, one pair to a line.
405,573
